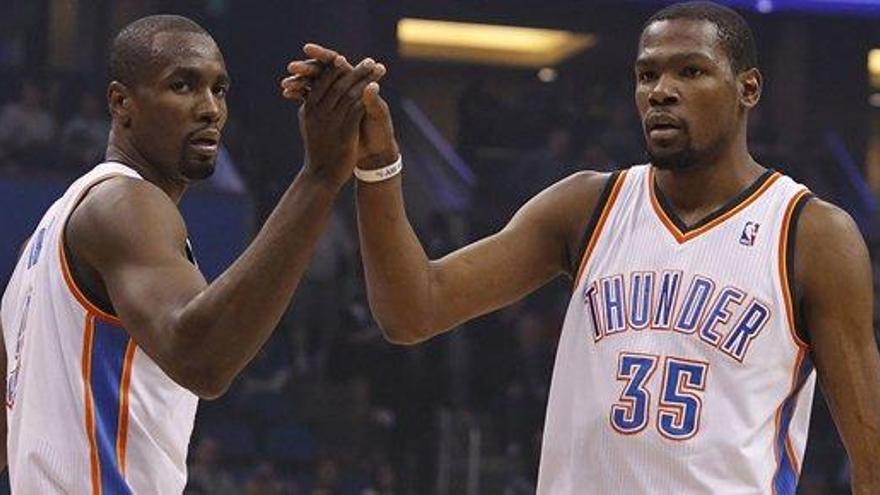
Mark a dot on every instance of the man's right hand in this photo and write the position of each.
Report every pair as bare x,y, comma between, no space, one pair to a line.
377,146
331,114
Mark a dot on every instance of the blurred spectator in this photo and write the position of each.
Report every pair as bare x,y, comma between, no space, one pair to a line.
479,112
326,478
262,393
206,473
268,373
543,166
26,130
264,481
621,136
594,157
384,481
318,303
84,137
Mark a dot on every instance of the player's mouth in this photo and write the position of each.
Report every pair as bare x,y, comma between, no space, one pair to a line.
663,133
663,126
206,141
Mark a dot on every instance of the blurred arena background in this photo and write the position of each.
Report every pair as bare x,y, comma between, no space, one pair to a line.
486,119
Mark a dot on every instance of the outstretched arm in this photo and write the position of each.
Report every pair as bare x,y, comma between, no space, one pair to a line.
202,335
414,298
833,269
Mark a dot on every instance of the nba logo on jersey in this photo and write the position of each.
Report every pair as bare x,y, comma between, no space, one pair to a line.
674,363
750,231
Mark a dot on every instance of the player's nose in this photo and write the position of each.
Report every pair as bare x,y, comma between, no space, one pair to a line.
209,107
664,92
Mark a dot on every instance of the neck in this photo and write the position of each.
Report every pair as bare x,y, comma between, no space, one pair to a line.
120,150
708,184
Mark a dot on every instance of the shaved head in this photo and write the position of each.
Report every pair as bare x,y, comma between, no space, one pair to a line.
134,54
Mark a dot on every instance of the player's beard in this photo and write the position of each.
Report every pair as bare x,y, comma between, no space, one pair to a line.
199,170
687,156
682,159
678,156
195,167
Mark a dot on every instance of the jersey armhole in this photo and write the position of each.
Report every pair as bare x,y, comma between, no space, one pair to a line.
71,272
793,288
576,263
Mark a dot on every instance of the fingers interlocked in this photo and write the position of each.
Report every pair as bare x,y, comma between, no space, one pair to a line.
327,81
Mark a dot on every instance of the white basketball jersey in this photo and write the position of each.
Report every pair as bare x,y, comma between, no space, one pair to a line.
679,370
87,411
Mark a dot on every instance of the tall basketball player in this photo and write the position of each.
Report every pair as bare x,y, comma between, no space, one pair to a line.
709,291
111,332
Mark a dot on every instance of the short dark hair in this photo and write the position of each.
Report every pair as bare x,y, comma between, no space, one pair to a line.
734,33
132,53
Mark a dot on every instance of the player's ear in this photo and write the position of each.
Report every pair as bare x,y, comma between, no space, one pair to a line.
749,83
119,102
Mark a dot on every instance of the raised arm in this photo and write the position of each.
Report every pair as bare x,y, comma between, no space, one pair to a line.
202,335
833,270
414,298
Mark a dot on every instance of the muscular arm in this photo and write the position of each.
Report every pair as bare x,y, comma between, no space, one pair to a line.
202,335
414,298
833,270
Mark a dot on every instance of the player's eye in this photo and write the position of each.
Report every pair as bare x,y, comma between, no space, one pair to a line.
180,86
692,72
646,76
221,90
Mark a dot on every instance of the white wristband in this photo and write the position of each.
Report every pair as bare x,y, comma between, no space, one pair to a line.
380,174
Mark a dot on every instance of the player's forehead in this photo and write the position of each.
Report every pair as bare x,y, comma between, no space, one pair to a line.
195,52
672,39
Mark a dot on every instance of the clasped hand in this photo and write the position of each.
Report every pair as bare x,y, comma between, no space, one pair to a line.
343,119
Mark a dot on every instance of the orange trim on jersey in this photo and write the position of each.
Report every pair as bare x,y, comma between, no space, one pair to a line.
597,231
682,237
122,431
789,314
77,293
795,463
783,270
88,341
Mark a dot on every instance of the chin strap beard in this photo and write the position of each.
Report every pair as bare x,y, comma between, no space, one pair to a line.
680,160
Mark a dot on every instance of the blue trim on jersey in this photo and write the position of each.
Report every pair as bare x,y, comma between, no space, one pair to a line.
786,478
108,357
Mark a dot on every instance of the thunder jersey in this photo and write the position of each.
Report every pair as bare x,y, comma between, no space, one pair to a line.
679,370
88,412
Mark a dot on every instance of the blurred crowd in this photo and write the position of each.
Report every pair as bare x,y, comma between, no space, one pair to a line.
39,132
328,407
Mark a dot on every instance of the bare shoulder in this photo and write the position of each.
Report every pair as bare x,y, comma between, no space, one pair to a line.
574,195
563,211
824,226
124,213
584,184
829,244
820,216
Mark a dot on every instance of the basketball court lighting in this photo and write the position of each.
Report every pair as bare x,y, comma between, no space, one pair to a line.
488,43
874,67
547,74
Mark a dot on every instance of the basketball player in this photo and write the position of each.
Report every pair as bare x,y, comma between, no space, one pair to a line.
709,291
111,331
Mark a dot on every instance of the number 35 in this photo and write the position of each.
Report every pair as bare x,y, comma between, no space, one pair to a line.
680,404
